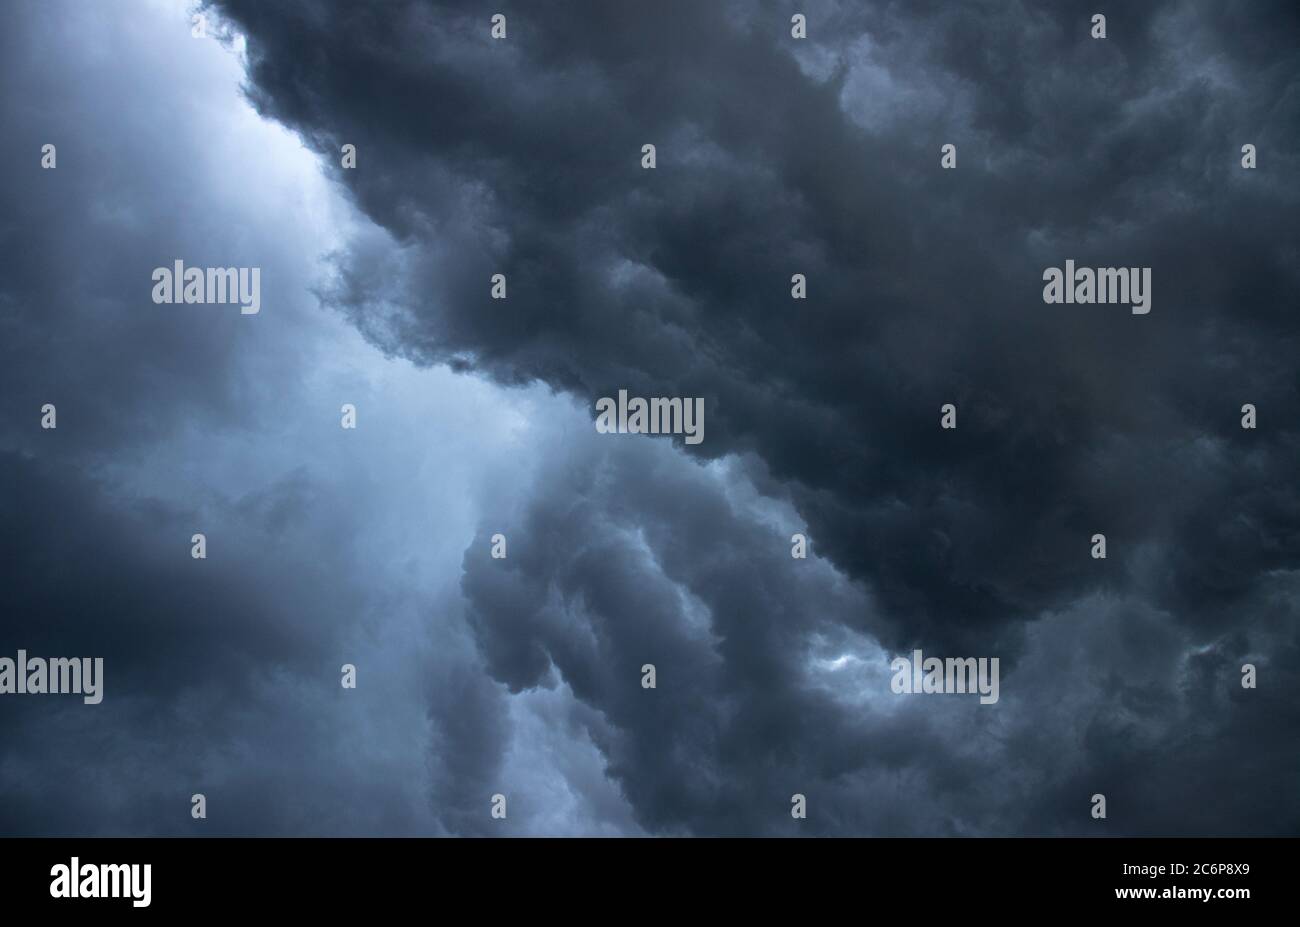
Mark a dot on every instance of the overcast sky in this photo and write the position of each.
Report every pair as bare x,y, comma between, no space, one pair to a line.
522,156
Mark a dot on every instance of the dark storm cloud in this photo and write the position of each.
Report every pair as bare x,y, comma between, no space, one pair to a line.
191,652
598,583
522,157
774,157
193,621
763,690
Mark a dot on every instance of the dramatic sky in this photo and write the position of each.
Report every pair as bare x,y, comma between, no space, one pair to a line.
775,156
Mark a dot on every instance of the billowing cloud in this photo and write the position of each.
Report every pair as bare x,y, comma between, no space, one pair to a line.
775,156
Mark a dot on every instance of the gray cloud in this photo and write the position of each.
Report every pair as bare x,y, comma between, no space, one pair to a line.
775,157
222,675
924,285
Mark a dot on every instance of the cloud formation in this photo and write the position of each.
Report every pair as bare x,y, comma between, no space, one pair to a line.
774,156
924,285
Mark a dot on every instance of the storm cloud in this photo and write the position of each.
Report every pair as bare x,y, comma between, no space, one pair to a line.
775,156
